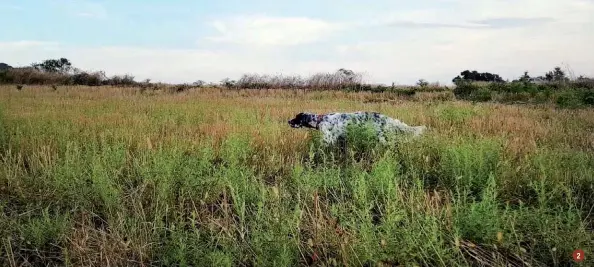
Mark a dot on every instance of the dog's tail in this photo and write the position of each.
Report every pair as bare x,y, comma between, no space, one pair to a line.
418,130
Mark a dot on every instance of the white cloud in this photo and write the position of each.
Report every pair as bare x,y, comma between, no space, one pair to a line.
505,37
23,53
440,54
166,65
274,31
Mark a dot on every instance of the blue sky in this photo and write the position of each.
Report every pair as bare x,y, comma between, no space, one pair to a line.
388,40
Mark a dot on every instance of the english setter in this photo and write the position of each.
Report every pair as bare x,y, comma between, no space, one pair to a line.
333,125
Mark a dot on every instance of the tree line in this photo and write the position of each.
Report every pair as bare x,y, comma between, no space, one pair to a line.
59,72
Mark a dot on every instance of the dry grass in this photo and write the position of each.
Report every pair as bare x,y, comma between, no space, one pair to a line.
212,176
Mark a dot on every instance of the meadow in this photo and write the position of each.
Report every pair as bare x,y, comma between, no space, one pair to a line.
113,176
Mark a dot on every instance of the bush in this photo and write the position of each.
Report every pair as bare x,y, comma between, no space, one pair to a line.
30,75
498,87
482,95
179,88
583,82
125,80
406,92
422,83
588,97
84,78
575,98
464,89
342,79
515,97
568,99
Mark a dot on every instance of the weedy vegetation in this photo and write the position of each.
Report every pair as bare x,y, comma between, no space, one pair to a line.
113,176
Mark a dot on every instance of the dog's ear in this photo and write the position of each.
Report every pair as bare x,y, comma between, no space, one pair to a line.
299,120
308,120
304,119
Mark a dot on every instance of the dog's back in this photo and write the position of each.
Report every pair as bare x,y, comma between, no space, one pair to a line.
333,125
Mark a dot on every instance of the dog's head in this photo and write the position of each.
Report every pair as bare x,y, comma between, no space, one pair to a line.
304,120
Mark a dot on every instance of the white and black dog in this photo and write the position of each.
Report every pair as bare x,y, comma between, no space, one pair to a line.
333,125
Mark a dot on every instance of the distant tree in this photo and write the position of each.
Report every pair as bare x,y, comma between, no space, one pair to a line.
228,83
4,66
199,83
346,72
422,83
475,76
61,65
525,77
556,75
349,75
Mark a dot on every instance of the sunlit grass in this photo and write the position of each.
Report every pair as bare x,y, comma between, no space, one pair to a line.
112,176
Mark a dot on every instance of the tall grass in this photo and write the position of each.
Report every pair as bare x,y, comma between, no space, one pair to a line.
102,176
339,80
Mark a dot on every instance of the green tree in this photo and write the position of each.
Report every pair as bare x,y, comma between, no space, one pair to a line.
525,77
423,83
556,75
61,65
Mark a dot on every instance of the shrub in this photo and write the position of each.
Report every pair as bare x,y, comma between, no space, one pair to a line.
228,83
342,79
198,83
498,87
515,97
482,95
30,75
85,78
465,89
124,80
568,99
179,88
422,83
588,97
406,92
583,82
256,81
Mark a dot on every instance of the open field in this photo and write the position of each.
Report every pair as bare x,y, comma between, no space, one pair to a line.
105,176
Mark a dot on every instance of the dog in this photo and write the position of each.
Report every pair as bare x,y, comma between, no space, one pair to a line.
333,125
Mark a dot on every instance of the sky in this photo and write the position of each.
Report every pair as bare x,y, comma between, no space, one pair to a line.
385,40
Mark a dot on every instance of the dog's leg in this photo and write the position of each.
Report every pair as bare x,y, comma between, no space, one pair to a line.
382,139
328,139
327,134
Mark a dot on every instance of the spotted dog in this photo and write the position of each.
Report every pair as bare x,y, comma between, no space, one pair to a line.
333,125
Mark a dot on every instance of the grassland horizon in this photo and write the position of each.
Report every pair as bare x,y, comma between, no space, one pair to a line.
110,176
